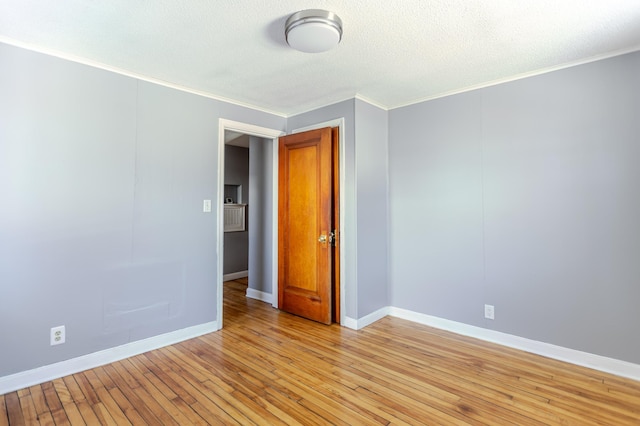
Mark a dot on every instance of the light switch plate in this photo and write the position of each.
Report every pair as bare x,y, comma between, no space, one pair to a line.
206,206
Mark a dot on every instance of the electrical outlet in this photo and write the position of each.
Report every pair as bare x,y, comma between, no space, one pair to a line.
489,311
58,335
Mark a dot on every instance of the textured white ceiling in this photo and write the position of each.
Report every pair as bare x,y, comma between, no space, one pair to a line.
393,52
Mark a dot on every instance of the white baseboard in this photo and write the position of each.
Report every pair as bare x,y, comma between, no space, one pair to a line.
585,359
357,324
350,323
235,275
64,368
259,295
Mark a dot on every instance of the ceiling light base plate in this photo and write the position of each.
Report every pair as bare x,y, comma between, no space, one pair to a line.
313,30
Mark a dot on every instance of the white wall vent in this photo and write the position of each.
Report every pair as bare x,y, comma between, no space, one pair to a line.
234,217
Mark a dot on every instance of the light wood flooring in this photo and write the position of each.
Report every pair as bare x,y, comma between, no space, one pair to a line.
267,367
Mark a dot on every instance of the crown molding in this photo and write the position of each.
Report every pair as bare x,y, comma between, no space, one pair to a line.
137,76
371,102
520,76
99,65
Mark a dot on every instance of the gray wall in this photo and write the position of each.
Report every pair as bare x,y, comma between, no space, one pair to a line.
102,179
236,244
365,193
260,214
525,196
372,178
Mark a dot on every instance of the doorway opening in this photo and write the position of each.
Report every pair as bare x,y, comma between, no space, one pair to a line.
268,250
237,193
264,139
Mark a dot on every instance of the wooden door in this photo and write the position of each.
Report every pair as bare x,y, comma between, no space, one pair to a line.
305,222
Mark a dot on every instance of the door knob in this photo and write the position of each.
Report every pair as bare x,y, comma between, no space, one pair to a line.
322,239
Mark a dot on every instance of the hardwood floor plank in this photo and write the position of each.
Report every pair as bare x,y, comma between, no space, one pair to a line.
112,406
46,419
257,396
102,413
215,416
28,410
221,400
64,395
4,416
131,382
181,362
87,413
156,394
272,368
206,401
14,411
126,407
284,364
86,388
238,405
73,414
398,390
158,369
161,386
477,397
286,370
39,402
410,413
252,384
253,387
74,390
148,408
54,404
103,378
588,407
193,417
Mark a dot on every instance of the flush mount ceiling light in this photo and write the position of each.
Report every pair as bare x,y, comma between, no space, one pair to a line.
313,30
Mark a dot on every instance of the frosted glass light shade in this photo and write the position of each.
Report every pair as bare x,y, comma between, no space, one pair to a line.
313,30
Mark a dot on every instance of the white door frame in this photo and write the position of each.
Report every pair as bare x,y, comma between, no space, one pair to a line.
274,134
261,132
